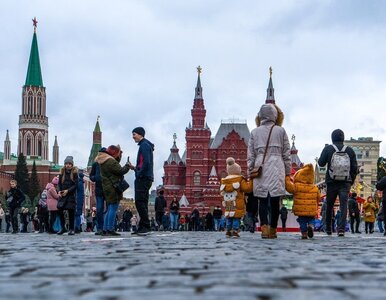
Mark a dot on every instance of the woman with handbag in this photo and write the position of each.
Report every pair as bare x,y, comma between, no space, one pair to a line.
113,184
369,211
268,163
68,183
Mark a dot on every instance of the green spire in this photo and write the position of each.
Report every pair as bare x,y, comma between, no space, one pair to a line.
97,128
34,73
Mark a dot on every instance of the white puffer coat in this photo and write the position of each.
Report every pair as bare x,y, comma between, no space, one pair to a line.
277,161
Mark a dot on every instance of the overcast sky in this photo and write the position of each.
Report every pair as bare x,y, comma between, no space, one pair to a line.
134,64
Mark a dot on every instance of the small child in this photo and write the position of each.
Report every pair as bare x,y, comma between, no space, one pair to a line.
232,189
306,198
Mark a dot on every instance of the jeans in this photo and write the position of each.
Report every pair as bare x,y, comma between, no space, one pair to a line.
263,210
356,218
335,189
233,223
369,227
304,222
174,221
217,223
14,213
53,214
100,207
380,226
142,187
71,219
109,223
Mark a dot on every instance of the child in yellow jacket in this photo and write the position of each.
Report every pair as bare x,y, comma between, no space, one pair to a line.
306,197
233,188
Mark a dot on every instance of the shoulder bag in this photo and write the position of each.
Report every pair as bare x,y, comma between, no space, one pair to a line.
256,172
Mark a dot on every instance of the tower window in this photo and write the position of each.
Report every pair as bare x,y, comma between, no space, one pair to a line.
29,103
196,178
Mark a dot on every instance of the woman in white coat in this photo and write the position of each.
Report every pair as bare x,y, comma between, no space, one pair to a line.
270,186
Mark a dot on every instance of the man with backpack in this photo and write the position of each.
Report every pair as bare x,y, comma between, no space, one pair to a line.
341,171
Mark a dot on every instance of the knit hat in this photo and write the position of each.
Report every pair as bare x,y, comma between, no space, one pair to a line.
337,135
55,180
69,160
139,130
113,150
232,167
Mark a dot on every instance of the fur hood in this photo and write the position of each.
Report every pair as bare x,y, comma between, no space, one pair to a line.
305,174
266,113
74,170
102,157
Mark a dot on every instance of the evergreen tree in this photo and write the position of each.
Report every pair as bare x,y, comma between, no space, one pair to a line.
34,186
21,173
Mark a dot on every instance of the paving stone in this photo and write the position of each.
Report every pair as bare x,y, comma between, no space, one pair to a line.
194,265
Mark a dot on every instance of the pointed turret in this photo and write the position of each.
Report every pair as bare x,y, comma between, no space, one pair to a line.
7,147
295,160
174,156
198,89
213,178
270,89
55,152
34,73
96,143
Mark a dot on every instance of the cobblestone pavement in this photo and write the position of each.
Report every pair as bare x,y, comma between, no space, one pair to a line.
192,265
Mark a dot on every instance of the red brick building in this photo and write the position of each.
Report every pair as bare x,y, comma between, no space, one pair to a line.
197,173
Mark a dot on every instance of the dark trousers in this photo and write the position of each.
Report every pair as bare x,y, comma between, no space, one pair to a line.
142,187
14,213
274,205
158,217
43,222
354,219
369,227
334,190
71,219
53,214
283,221
384,210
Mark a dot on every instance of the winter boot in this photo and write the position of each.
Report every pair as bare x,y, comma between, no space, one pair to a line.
235,234
265,232
228,233
304,236
310,231
273,233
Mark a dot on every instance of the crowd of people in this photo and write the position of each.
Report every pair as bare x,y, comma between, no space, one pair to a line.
246,200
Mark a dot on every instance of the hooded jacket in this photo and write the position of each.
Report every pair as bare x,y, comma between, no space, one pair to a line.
306,194
369,209
111,172
277,161
52,197
144,167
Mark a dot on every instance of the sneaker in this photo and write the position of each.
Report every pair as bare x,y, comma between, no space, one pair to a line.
310,232
71,232
358,231
61,232
112,233
100,232
304,236
328,232
228,234
143,231
77,231
340,233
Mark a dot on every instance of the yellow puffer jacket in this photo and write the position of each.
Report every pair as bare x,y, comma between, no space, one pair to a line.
306,194
233,188
369,209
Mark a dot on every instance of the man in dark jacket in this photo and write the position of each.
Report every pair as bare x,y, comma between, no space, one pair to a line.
15,198
381,186
159,207
353,211
143,178
95,176
336,187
